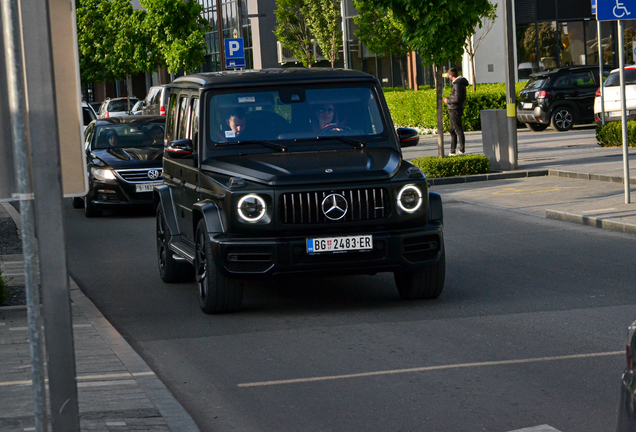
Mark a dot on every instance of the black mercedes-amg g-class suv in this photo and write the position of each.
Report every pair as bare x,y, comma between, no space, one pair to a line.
291,171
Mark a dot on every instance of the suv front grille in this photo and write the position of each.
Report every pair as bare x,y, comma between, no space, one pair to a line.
306,207
138,175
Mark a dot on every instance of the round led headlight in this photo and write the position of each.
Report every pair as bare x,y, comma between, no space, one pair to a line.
251,208
409,199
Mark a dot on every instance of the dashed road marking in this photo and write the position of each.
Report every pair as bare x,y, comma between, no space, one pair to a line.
522,191
430,368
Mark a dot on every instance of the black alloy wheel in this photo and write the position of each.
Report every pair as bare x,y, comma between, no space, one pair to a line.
170,269
426,283
562,119
537,127
218,293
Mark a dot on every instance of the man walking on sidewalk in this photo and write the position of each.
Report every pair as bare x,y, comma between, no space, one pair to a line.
455,111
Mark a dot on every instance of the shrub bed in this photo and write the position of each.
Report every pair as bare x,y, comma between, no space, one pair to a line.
435,167
611,135
419,108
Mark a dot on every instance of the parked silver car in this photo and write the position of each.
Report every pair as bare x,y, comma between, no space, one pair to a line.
627,405
157,100
116,107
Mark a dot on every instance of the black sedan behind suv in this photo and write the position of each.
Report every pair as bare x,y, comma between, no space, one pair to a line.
124,156
561,97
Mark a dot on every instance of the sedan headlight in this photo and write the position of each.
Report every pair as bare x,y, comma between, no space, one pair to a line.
251,208
103,174
409,199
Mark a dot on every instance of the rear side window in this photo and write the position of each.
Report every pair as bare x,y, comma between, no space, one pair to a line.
155,96
562,81
194,120
615,80
582,79
88,115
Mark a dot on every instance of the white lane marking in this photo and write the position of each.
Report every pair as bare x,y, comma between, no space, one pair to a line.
27,328
115,423
431,368
541,428
85,378
600,210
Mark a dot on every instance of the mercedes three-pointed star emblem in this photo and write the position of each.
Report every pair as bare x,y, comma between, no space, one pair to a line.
334,206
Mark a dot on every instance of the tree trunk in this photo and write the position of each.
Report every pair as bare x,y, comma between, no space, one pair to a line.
437,73
128,79
104,84
402,72
471,54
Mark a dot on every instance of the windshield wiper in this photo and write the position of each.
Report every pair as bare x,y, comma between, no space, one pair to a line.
354,142
264,143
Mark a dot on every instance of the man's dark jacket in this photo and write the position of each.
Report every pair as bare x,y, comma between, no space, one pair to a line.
458,94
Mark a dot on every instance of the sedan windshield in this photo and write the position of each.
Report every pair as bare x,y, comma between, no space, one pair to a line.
128,135
294,115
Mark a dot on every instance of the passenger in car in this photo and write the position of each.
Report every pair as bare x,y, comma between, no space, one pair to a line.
156,135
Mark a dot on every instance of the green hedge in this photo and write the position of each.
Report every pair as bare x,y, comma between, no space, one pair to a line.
419,108
435,167
611,135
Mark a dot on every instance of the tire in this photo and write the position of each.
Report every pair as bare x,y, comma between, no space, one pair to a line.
218,293
562,119
426,283
78,203
170,270
537,127
89,208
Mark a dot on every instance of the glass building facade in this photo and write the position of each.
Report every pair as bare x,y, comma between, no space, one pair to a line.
235,23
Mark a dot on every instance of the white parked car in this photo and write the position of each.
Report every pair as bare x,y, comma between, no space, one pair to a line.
612,96
116,107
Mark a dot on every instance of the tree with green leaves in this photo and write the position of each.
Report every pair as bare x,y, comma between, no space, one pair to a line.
292,30
438,30
177,32
324,22
473,43
381,33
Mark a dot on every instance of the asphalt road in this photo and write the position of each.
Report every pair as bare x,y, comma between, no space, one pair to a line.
529,331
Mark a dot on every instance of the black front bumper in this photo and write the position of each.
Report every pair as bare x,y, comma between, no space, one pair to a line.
106,194
392,251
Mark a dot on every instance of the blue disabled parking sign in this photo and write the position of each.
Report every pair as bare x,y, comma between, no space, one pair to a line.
615,10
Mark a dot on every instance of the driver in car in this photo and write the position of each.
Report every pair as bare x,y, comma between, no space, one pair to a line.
326,119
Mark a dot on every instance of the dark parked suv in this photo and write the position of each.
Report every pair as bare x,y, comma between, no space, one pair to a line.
561,97
291,171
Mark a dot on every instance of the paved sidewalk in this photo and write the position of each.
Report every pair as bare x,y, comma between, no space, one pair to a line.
117,390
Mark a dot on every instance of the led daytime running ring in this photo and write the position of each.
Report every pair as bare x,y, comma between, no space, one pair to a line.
419,195
260,216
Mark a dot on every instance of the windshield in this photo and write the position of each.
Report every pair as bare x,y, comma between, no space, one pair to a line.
128,135
615,80
294,115
536,83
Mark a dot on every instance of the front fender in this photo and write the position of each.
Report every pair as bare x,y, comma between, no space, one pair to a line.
435,212
208,211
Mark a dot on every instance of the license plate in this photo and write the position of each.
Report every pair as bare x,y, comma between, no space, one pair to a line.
337,244
527,105
146,187
616,114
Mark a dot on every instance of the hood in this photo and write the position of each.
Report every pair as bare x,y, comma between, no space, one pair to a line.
461,81
130,157
282,169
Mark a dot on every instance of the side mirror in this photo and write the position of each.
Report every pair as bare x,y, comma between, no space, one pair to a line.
179,148
408,137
